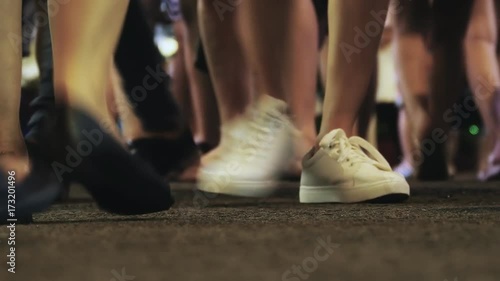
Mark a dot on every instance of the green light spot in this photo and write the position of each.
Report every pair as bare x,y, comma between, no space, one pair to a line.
474,130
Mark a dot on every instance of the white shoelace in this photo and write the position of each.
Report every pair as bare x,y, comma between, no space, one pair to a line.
357,150
346,152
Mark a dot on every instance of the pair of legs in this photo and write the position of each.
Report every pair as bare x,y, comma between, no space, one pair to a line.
266,48
483,73
329,171
482,66
429,44
273,48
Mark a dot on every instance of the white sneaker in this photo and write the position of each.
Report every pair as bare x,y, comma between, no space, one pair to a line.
251,166
347,171
232,133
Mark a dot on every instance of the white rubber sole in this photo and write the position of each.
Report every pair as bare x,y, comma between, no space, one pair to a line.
350,194
241,188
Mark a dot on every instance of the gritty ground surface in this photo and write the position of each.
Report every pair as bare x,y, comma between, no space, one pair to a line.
446,231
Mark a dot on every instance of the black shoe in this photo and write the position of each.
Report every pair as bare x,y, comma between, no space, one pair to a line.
36,156
82,151
167,156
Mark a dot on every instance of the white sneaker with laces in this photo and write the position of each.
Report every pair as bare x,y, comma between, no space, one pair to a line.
350,170
251,166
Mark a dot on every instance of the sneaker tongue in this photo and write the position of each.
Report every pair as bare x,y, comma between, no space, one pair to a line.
333,135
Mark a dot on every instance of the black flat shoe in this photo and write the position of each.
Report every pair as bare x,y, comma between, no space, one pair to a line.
168,156
82,151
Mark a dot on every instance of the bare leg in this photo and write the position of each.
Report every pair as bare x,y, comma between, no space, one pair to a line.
263,23
228,69
280,40
482,67
323,60
302,73
406,166
349,74
13,155
83,60
206,117
413,63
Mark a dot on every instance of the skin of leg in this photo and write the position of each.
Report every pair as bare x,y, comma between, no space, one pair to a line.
178,71
413,63
280,40
228,69
482,68
206,116
301,72
407,145
323,60
13,155
264,29
84,37
349,76
113,86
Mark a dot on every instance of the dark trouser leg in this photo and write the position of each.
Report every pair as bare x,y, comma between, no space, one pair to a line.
45,100
146,83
